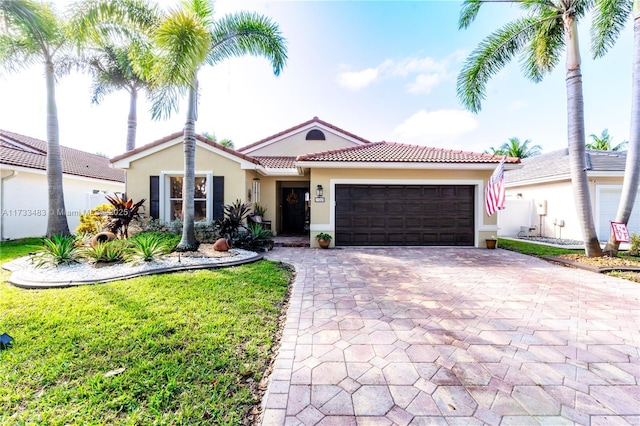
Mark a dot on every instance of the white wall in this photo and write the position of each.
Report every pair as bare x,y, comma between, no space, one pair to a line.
516,213
24,205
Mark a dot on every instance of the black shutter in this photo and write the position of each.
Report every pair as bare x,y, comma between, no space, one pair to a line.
154,197
218,197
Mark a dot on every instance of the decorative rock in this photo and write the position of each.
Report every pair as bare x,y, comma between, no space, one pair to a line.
222,244
102,237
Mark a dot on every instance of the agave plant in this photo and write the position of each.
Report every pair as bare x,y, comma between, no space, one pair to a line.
146,247
123,212
58,250
112,251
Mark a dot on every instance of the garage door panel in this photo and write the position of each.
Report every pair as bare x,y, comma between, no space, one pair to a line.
404,215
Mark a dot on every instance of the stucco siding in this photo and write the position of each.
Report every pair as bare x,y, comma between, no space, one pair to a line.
25,202
170,161
296,144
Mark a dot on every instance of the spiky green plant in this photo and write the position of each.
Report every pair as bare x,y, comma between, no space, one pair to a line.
146,248
58,250
108,252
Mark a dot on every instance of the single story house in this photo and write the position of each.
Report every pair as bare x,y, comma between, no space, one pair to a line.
316,177
23,184
540,196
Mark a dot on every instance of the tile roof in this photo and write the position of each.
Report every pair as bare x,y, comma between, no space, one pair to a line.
177,135
299,126
273,162
24,151
556,163
391,152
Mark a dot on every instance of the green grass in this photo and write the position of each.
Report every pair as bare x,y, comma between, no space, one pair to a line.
190,343
534,249
16,248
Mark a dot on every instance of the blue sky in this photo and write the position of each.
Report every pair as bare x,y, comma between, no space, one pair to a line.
382,70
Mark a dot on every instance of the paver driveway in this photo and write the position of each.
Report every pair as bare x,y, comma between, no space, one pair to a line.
453,336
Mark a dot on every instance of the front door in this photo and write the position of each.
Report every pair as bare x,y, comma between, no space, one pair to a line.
293,210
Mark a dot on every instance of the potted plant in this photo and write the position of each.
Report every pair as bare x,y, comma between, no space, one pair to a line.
324,240
492,242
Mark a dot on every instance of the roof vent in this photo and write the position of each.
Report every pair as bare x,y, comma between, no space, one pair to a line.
315,135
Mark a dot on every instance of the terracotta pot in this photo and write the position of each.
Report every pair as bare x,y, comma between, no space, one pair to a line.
222,244
324,243
102,237
491,244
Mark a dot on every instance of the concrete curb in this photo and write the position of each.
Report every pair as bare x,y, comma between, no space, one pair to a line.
591,268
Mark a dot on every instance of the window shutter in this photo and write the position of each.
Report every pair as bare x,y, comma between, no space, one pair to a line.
154,197
218,197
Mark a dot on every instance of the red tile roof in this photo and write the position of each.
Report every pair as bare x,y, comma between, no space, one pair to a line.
272,162
24,151
177,135
299,126
391,152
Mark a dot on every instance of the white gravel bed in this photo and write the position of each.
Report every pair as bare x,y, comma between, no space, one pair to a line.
25,274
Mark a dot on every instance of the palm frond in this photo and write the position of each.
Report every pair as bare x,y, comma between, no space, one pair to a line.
18,53
609,18
544,51
165,99
247,33
493,53
183,42
468,13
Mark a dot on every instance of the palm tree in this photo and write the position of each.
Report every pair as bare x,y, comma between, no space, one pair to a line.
187,39
32,33
609,19
116,37
515,148
547,28
224,142
604,142
494,151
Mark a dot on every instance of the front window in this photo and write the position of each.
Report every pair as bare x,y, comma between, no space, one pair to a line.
175,198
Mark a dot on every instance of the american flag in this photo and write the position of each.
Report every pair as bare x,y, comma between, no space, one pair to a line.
494,193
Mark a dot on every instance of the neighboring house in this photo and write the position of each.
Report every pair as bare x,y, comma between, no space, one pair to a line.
23,185
317,177
540,194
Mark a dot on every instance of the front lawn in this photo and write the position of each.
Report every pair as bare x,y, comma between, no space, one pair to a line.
183,348
531,249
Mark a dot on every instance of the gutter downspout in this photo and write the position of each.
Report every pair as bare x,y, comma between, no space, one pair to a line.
2,179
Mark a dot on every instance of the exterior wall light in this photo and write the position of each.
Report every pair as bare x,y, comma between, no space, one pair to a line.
319,191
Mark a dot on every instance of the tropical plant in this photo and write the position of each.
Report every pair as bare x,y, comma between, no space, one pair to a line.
94,220
259,210
108,252
58,250
608,21
548,27
234,216
224,142
186,39
31,32
323,236
515,148
604,142
146,248
256,238
634,245
122,213
115,35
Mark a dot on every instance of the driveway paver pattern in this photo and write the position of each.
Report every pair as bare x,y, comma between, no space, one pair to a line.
429,336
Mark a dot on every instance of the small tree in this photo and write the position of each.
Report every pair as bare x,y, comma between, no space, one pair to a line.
123,212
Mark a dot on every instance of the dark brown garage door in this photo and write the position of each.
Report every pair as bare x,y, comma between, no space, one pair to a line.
404,215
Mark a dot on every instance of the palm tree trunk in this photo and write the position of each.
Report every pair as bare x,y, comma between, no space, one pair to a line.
189,241
575,125
132,122
632,166
57,219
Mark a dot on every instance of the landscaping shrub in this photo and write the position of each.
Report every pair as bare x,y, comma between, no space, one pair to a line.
59,250
233,221
634,245
112,251
256,238
123,211
95,220
146,247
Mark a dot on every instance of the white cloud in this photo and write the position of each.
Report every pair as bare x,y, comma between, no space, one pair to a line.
432,127
356,80
426,73
424,83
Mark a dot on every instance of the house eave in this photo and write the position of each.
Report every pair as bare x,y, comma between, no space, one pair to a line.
561,178
400,164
